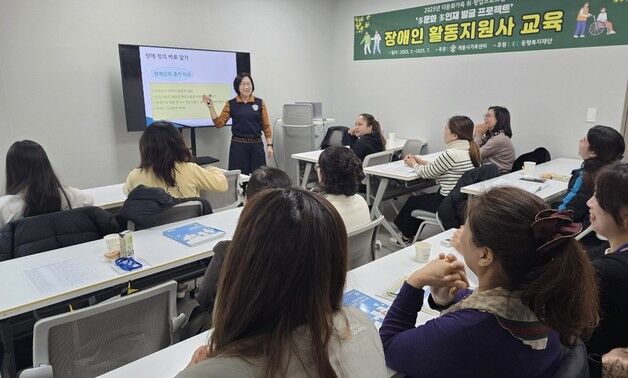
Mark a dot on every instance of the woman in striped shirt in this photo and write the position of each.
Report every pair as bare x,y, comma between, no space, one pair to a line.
461,155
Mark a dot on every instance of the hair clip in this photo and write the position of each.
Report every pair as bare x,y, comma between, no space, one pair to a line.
552,228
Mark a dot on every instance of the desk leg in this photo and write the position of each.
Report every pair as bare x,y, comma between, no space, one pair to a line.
306,174
381,189
8,362
383,184
298,173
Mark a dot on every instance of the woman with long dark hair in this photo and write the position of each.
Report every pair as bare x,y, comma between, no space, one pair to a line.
167,163
278,312
601,146
494,138
32,187
367,136
536,290
609,218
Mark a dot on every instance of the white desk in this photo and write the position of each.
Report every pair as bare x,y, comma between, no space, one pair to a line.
112,196
548,191
311,157
160,252
396,170
107,197
372,279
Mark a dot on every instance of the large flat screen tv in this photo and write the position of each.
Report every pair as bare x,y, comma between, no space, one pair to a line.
167,83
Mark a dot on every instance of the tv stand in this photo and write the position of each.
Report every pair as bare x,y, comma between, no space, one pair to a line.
200,160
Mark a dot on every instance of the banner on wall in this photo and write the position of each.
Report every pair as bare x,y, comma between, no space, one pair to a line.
489,26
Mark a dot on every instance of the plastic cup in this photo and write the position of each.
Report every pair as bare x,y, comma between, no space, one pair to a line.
113,244
528,168
422,252
391,137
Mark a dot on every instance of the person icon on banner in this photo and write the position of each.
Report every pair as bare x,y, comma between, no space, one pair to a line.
581,21
367,43
376,41
603,17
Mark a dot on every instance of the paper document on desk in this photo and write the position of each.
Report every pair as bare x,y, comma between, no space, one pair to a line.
402,169
529,186
60,276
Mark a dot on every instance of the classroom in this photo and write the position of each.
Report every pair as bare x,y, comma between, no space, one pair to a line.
419,186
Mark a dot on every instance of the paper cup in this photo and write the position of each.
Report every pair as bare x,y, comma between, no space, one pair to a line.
528,168
391,137
422,252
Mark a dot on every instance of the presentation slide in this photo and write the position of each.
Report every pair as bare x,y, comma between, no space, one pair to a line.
174,80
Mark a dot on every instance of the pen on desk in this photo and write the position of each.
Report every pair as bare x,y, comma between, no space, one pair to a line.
541,187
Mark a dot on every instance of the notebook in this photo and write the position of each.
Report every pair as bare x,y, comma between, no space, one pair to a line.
193,234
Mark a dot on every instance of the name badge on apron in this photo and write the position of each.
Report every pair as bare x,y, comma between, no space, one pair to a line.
255,107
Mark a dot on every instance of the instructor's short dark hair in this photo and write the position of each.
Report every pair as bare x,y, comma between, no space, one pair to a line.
238,80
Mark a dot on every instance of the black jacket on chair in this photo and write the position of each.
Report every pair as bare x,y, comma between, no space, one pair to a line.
345,138
28,236
144,204
539,155
452,209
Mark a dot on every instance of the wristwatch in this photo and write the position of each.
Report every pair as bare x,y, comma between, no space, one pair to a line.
269,145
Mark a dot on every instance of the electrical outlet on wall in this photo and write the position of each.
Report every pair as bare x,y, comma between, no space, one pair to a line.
591,114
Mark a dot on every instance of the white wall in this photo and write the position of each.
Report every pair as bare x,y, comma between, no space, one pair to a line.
547,92
60,75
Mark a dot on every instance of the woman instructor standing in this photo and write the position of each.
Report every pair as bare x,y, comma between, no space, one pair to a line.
250,119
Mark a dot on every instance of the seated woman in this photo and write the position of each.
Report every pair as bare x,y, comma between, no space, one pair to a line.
279,307
601,146
609,218
32,187
167,163
262,178
536,290
367,136
493,136
340,174
461,154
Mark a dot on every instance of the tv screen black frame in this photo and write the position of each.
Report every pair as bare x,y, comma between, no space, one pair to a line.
131,74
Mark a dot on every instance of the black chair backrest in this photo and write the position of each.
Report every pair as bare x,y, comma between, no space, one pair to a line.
331,137
540,155
28,236
451,211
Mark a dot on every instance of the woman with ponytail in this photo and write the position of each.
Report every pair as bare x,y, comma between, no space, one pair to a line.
461,155
340,174
536,290
367,136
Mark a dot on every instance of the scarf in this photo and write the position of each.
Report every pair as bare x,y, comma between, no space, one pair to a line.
511,314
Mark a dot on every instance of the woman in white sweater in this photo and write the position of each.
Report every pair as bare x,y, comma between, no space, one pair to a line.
461,155
32,187
340,174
